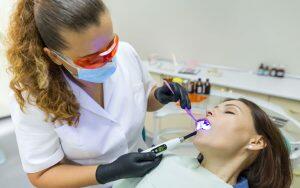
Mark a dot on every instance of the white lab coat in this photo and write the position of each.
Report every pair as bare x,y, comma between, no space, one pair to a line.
102,135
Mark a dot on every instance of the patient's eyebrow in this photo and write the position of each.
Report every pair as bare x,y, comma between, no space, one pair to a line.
234,106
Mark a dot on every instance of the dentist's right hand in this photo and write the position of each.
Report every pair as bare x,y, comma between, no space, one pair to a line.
164,95
127,166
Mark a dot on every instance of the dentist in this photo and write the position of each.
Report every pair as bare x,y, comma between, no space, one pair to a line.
79,95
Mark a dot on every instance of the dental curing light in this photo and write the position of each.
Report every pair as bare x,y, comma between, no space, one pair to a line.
169,145
202,124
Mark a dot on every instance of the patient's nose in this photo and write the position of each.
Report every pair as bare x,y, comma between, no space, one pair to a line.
209,113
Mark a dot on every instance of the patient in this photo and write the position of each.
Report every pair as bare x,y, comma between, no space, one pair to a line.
243,148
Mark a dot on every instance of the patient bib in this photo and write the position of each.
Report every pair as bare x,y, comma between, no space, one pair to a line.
175,172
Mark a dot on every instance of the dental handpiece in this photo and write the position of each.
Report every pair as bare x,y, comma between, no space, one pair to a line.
169,145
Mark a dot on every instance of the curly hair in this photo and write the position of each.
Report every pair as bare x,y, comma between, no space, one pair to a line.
35,78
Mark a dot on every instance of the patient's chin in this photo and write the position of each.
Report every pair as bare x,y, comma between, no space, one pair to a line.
199,140
203,141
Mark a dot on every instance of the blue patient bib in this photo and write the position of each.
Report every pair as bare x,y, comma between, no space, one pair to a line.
242,183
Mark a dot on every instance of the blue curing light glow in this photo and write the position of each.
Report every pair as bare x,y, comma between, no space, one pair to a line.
203,124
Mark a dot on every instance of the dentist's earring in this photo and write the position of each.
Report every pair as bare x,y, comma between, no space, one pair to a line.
250,147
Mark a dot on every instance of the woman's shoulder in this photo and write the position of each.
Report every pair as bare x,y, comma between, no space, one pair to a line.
126,46
129,60
127,50
30,115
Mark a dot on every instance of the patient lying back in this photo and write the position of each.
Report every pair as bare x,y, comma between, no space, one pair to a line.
243,143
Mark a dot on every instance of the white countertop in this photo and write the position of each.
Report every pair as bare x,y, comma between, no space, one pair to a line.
288,88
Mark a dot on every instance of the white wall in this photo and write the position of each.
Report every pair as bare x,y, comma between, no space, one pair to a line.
239,33
5,9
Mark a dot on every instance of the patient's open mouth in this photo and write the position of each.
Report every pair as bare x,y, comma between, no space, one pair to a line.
203,124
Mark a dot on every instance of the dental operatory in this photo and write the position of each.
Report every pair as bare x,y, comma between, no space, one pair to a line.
149,94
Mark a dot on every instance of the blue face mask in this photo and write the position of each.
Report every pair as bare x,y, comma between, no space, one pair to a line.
97,75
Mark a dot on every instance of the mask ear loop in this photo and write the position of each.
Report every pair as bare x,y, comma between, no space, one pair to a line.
64,58
67,61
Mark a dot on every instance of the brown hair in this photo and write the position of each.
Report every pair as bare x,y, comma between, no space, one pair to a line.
272,167
36,24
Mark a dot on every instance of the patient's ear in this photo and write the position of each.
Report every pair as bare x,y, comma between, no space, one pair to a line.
257,143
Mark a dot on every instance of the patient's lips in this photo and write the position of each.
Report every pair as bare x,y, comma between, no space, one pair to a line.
203,124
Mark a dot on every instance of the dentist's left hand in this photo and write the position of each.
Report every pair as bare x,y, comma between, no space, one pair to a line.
164,95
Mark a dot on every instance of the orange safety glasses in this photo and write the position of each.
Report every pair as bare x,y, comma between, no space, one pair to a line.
99,59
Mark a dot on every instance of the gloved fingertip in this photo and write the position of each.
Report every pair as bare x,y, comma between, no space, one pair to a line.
153,154
175,98
160,157
183,104
157,160
154,164
140,150
188,103
189,106
150,155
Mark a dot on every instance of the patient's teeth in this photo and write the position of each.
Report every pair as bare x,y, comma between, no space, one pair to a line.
203,124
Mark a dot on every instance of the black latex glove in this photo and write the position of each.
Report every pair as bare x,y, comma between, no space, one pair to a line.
127,166
164,95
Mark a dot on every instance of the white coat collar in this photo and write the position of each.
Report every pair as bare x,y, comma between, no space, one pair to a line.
89,103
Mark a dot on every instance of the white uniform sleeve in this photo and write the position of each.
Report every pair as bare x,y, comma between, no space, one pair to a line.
38,143
148,81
